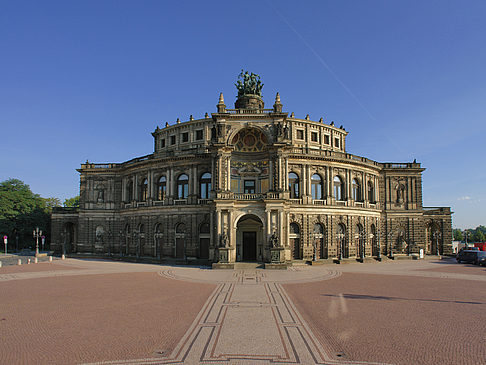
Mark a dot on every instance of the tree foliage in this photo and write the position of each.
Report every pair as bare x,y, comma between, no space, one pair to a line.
72,202
21,211
473,235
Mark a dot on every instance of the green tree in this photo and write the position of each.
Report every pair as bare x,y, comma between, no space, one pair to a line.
479,236
21,211
458,236
72,202
51,203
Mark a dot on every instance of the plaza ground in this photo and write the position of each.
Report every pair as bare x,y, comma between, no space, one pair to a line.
87,311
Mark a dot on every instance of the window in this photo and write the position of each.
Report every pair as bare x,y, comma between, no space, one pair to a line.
144,190
356,190
161,188
371,192
249,187
294,185
199,135
172,140
205,185
314,137
316,187
326,139
184,137
183,186
129,188
338,188
300,134
336,142
162,143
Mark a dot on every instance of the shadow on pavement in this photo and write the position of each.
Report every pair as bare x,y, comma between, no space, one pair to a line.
380,297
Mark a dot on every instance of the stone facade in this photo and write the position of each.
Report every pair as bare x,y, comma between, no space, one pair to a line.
232,185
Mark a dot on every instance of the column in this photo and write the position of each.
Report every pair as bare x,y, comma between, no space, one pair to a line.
135,190
211,229
194,181
308,183
286,174
228,172
230,230
269,225
150,184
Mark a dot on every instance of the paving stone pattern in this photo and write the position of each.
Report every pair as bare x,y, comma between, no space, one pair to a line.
102,312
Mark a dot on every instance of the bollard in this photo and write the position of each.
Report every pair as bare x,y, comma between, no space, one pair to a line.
50,258
36,260
19,262
28,261
0,263
63,257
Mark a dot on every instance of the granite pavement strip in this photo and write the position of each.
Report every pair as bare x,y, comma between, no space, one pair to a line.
249,318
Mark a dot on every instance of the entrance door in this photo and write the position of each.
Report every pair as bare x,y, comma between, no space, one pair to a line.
179,248
249,246
204,248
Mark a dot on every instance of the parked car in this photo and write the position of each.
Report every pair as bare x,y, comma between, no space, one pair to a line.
482,260
470,256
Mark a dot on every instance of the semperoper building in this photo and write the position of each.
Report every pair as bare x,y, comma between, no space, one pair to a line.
251,184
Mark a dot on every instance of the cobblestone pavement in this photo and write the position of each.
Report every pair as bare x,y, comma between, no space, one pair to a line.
392,312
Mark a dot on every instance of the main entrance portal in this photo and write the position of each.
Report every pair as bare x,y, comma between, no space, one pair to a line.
249,238
249,246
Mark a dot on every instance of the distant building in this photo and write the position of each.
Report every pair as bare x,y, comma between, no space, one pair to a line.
232,185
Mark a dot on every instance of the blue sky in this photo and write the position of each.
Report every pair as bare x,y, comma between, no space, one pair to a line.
91,79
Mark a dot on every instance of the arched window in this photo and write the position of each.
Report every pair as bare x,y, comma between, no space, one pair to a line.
294,185
356,190
205,185
144,190
183,186
316,187
338,188
161,188
129,189
371,192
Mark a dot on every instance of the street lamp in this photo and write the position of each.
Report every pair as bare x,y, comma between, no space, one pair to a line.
37,233
313,237
378,256
340,237
361,236
389,244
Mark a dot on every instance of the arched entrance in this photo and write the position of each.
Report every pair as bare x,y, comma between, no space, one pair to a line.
249,238
295,241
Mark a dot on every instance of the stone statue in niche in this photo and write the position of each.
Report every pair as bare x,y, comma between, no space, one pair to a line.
286,131
100,194
274,240
400,194
224,240
99,234
278,130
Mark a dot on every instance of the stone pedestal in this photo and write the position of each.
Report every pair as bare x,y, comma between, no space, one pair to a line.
277,255
226,258
249,101
277,259
226,255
